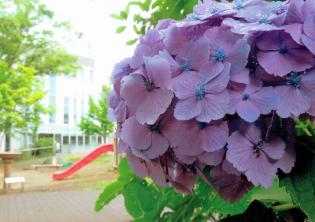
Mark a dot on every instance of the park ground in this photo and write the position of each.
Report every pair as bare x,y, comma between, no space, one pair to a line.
61,200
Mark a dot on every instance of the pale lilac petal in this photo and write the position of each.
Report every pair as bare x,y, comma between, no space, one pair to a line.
241,77
156,172
308,85
295,14
291,102
137,136
261,171
158,70
185,84
212,158
309,23
185,136
247,111
133,89
187,109
154,104
275,148
265,100
214,137
253,133
309,43
158,147
239,151
138,165
286,63
220,82
296,31
238,57
286,163
175,38
214,106
196,53
184,158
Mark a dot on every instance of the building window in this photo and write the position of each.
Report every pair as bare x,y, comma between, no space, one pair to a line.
87,140
52,84
65,140
75,120
80,140
52,104
73,140
99,140
66,111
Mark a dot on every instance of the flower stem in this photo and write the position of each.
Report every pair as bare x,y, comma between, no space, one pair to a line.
284,207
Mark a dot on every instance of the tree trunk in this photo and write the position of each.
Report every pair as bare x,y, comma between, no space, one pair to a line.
8,141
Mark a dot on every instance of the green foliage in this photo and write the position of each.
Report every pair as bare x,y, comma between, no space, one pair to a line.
157,10
43,142
145,201
300,183
27,38
20,94
96,121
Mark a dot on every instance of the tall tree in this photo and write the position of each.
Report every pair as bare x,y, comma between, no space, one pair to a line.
27,49
27,37
96,121
20,95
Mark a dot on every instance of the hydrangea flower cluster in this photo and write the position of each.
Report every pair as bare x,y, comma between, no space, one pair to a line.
220,89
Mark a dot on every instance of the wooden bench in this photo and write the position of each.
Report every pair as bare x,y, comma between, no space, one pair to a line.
40,166
14,180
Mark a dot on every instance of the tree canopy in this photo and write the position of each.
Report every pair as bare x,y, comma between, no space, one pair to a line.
28,49
96,121
27,37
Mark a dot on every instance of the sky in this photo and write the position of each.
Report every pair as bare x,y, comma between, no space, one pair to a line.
91,17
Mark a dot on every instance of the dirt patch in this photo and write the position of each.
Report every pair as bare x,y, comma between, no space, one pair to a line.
92,176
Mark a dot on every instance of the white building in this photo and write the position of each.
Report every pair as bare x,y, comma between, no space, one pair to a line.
69,97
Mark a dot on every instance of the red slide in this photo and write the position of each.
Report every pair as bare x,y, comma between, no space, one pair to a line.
84,161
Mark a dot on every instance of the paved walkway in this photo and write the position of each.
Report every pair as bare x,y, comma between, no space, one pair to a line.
65,206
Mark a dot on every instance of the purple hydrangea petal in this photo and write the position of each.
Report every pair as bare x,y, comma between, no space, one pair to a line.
213,106
292,102
158,147
185,84
158,71
231,187
187,109
214,137
212,158
137,136
137,164
133,89
272,152
153,105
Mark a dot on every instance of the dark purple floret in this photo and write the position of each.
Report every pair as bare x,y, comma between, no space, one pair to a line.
202,125
283,49
200,92
245,96
149,85
252,64
185,67
155,128
219,55
295,80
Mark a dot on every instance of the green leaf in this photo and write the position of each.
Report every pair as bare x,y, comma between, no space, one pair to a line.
125,172
214,202
110,192
131,42
300,183
124,15
141,200
120,29
274,194
115,16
